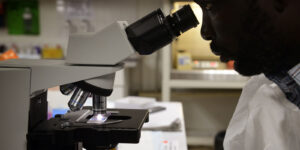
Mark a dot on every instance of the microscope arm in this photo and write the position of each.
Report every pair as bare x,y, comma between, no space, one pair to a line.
49,73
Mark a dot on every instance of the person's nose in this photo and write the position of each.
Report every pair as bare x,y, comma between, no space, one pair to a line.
206,29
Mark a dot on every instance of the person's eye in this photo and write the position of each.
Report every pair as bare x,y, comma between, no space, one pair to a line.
209,6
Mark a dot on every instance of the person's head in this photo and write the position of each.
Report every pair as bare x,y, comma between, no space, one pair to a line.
261,36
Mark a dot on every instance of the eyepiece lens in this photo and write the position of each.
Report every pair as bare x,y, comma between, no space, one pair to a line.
186,18
154,31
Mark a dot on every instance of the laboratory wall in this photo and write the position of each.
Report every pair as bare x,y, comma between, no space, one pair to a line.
52,29
55,30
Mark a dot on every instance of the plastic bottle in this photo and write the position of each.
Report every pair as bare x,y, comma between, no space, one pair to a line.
27,18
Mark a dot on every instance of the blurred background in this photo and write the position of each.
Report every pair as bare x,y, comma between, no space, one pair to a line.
185,71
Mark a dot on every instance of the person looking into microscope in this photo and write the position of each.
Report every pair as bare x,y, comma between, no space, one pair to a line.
262,37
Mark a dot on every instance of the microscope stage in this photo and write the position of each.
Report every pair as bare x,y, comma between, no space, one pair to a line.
65,130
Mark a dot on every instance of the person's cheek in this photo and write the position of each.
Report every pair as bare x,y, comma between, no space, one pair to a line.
227,31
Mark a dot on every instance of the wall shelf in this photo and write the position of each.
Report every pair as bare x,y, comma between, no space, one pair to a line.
203,84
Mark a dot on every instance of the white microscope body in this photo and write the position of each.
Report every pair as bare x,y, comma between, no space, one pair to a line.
89,58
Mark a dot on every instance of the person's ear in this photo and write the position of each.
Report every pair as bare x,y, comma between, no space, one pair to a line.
279,5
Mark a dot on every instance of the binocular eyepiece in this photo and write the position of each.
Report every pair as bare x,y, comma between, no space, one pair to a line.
154,31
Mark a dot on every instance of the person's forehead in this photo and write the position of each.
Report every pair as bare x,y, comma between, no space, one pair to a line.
203,1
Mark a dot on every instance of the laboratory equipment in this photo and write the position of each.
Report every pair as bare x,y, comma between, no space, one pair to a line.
89,70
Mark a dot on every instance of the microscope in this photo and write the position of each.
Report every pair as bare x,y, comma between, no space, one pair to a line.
88,71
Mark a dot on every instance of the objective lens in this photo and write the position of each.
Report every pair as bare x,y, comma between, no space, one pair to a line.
67,89
99,104
100,115
78,99
155,30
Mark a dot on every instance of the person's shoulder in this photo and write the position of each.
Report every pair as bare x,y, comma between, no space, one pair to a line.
254,84
258,80
268,95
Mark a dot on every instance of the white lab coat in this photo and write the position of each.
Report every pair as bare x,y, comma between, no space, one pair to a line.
264,119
